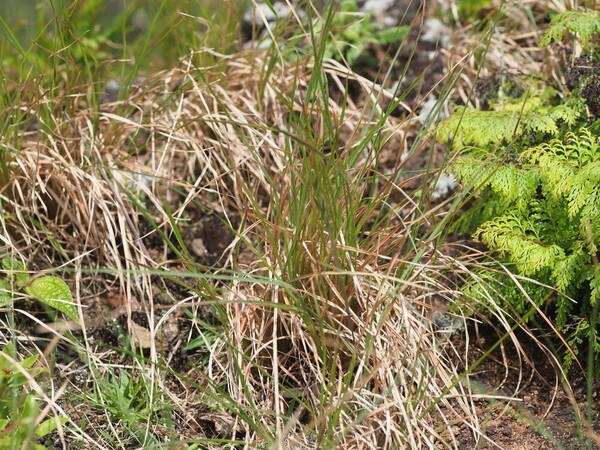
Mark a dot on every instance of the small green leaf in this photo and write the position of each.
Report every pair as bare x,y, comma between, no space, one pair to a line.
10,350
9,263
54,292
5,293
49,425
472,9
392,35
29,361
13,265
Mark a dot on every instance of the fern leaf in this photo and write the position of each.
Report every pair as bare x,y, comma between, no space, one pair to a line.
511,183
584,24
471,126
570,169
518,237
566,272
514,184
568,112
481,128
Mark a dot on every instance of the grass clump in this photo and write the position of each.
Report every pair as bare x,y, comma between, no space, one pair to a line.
313,336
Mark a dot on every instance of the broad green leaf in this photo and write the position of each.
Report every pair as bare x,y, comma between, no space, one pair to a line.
49,425
14,265
54,292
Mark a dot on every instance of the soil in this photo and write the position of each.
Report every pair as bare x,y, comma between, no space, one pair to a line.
208,237
416,72
488,88
584,74
543,416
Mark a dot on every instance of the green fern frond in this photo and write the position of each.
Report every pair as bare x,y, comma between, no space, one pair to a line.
533,167
584,190
579,332
520,105
544,121
576,149
513,184
570,169
553,225
481,128
519,238
471,126
584,145
568,112
474,167
584,24
566,272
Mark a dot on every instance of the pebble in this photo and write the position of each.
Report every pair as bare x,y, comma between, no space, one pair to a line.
446,183
256,15
435,32
377,6
427,108
111,91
